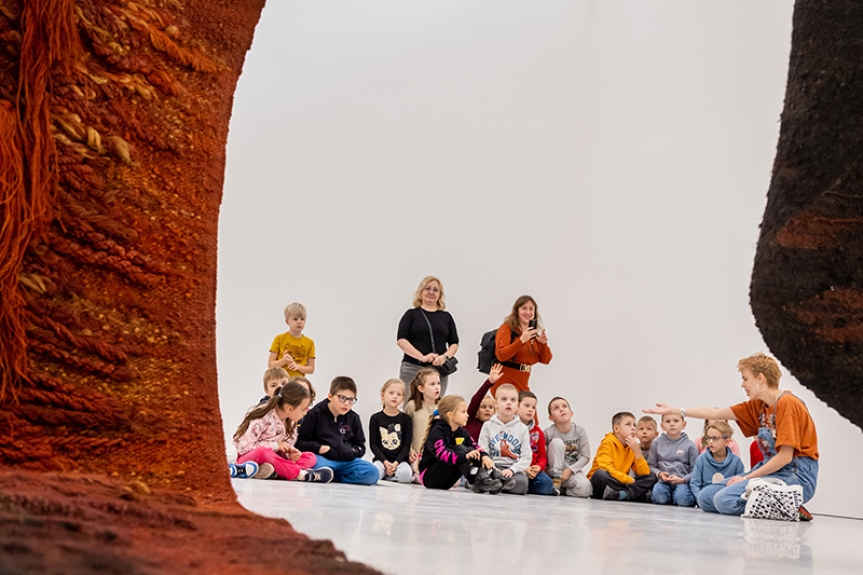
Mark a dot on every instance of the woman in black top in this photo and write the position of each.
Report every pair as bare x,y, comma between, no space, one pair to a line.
414,337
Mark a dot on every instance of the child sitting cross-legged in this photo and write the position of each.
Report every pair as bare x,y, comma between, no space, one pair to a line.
506,439
335,433
672,457
568,451
390,433
538,481
716,465
450,452
617,455
268,434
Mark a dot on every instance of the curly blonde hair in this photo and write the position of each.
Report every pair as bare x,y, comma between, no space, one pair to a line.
418,295
765,365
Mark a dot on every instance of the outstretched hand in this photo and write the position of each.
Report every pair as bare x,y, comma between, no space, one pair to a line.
495,373
662,409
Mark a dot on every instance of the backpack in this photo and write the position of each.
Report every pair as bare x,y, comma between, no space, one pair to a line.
486,355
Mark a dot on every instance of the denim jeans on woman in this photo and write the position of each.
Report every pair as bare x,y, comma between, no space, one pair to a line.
718,498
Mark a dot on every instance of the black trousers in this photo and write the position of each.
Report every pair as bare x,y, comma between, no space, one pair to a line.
636,491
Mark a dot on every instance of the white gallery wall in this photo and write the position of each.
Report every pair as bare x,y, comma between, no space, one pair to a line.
609,158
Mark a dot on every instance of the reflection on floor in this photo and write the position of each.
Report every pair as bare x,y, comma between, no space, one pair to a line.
408,529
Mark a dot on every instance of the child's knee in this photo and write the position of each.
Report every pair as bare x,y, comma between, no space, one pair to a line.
404,473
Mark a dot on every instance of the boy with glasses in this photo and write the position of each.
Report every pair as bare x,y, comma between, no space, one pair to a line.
717,463
333,432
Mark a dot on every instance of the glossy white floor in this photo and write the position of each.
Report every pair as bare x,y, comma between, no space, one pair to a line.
408,529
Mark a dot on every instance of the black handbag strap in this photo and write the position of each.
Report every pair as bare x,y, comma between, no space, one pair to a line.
431,333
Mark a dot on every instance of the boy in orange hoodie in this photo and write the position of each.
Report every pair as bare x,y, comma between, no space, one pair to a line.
617,455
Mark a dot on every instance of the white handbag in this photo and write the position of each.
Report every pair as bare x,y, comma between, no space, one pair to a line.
771,498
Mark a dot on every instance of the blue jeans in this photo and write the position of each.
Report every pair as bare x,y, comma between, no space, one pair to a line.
718,498
666,494
540,485
353,471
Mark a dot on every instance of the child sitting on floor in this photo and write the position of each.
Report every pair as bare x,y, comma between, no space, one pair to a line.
274,378
617,455
268,434
450,452
481,406
718,463
390,433
507,441
538,482
568,451
425,393
672,457
334,433
646,433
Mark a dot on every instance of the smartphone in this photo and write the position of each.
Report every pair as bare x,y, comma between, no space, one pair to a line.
532,324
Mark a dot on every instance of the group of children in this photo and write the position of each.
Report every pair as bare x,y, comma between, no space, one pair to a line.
492,444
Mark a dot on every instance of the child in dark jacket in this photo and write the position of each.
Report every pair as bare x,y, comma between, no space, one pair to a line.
482,406
450,452
334,432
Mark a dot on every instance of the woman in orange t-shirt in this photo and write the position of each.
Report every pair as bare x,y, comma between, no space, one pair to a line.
520,343
783,429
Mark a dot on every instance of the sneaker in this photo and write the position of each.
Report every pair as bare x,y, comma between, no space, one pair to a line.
556,482
509,484
245,470
611,494
804,514
495,486
484,483
266,471
319,475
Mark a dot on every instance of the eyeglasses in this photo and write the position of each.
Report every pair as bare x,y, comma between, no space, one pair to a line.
430,288
710,438
346,399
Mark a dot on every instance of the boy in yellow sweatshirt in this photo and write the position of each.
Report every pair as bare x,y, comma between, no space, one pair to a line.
617,455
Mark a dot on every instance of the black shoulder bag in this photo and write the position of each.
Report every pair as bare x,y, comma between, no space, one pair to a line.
450,365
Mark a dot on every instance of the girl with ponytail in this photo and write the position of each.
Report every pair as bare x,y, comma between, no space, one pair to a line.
268,434
450,452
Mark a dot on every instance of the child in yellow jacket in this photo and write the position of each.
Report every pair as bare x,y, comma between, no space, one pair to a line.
617,455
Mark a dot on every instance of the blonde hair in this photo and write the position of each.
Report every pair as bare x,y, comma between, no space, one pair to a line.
420,380
274,373
418,295
505,386
298,378
512,319
392,381
765,365
446,406
292,394
295,309
720,426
